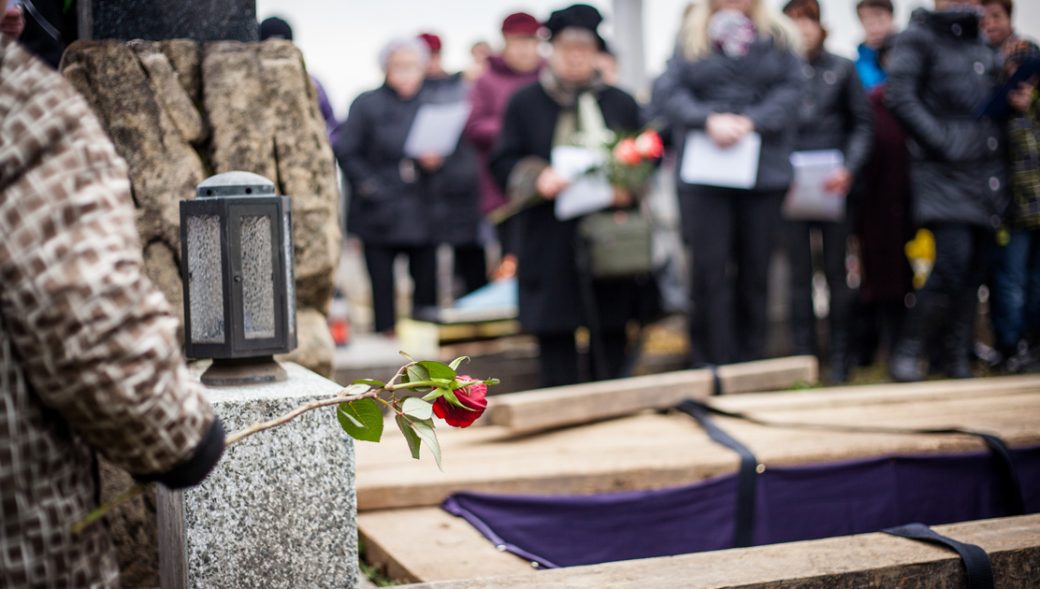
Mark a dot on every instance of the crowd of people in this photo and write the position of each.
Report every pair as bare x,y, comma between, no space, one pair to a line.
935,128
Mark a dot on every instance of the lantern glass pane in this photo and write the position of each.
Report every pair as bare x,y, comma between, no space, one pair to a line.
289,282
257,278
205,287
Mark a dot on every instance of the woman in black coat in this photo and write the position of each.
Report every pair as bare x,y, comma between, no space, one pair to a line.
551,305
735,72
390,209
940,72
835,114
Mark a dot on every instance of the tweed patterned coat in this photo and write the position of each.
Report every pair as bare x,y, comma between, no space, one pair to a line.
89,359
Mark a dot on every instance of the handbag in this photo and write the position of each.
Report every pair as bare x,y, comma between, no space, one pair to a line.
616,244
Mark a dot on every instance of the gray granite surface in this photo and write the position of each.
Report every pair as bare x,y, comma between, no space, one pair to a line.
280,508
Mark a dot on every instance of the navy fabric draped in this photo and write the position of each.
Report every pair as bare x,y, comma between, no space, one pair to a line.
793,503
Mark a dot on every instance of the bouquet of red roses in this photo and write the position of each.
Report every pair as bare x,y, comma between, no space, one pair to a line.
633,159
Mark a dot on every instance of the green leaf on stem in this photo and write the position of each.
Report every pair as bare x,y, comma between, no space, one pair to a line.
424,429
416,373
406,356
438,370
458,362
409,434
376,384
361,419
417,408
492,382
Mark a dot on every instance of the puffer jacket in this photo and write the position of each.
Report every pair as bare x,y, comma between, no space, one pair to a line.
941,72
835,112
89,358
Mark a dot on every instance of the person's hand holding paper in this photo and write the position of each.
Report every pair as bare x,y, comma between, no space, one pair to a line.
550,183
436,131
839,182
727,129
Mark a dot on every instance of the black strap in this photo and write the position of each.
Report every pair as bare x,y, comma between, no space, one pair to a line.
976,561
999,449
716,380
747,481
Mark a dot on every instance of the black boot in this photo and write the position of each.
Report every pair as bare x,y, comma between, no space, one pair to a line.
960,337
839,355
905,362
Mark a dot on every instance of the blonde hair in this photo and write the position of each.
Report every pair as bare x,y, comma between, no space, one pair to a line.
693,40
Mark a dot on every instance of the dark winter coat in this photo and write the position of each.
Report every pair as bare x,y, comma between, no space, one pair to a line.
884,224
940,73
835,112
550,298
765,85
454,189
387,205
392,200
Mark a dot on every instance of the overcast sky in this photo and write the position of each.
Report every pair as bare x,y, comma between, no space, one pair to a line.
340,39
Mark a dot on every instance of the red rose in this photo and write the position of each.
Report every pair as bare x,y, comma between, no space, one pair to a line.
625,152
473,397
649,145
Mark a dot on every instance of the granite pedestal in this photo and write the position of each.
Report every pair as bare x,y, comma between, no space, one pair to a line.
279,510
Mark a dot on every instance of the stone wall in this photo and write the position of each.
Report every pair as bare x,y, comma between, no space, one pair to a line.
179,111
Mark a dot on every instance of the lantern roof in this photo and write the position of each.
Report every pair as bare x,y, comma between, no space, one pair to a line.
236,183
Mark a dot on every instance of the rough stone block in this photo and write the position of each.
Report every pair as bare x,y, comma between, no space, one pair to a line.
315,349
238,105
280,508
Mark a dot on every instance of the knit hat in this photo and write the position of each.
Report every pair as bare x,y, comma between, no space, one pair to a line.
520,23
432,41
576,16
275,28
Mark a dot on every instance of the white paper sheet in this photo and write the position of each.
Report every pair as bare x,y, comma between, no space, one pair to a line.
587,193
436,129
707,164
808,200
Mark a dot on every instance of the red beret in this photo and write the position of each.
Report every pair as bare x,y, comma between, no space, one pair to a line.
432,41
520,23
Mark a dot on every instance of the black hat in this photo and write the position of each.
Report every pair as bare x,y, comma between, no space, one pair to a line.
275,28
576,16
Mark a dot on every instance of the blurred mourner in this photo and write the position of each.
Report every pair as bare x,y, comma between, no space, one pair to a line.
940,71
735,72
517,66
89,357
569,105
390,210
1015,301
877,17
453,186
834,115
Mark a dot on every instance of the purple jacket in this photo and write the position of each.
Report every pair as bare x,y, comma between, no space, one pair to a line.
489,96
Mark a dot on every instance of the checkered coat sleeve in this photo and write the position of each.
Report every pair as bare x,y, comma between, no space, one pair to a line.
89,358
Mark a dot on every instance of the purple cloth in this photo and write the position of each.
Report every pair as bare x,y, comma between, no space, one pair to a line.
488,98
796,503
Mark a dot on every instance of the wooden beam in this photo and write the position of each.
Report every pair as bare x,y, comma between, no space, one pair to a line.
649,450
556,407
866,560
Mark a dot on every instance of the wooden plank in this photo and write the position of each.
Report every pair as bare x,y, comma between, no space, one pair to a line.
173,556
649,450
861,561
449,546
556,407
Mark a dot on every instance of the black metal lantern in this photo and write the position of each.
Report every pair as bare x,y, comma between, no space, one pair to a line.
237,271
